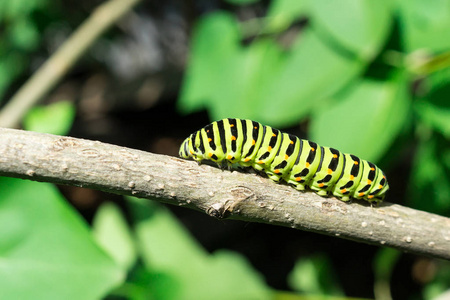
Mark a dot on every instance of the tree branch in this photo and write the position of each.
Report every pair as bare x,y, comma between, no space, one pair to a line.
48,75
223,194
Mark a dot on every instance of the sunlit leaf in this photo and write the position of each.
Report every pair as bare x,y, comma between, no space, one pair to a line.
46,250
310,72
429,189
167,248
55,118
360,27
241,2
434,107
365,120
314,275
283,13
214,45
113,234
425,24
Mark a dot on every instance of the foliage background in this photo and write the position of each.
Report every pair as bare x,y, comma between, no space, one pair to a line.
367,77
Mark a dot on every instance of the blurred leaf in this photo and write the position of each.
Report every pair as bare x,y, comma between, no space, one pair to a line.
55,118
11,65
113,234
46,250
434,107
439,287
215,42
19,8
241,2
24,34
167,248
425,24
282,13
314,275
310,72
365,120
430,175
361,27
244,82
261,81
384,264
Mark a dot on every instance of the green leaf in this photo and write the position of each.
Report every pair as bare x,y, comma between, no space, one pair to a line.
241,2
24,34
425,24
314,275
113,234
310,72
365,120
55,118
383,266
361,26
46,250
245,80
261,81
167,248
429,188
11,65
215,42
282,13
434,107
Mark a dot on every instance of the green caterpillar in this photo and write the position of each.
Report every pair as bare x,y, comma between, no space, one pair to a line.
282,156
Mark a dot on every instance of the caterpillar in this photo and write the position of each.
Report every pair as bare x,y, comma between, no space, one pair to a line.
285,157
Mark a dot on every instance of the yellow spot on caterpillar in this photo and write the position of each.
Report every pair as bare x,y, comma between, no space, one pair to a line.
209,139
307,164
361,194
269,148
334,155
356,163
273,134
330,171
247,159
192,152
298,178
352,177
253,142
343,190
229,157
255,127
260,162
321,184
384,177
312,149
369,181
292,142
370,197
231,125
276,171
207,131
372,169
380,186
233,138
286,157
210,154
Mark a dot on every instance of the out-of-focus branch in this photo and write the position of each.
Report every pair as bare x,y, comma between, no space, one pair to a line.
49,74
223,194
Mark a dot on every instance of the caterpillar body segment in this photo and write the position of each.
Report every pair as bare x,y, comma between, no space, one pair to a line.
285,157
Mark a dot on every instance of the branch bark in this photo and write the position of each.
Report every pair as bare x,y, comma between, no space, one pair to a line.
222,194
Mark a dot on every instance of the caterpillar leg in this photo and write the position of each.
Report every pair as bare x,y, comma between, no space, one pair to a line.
322,193
345,198
298,186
